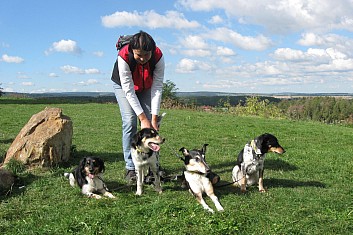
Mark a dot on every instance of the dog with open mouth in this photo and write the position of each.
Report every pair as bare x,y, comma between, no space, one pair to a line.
88,176
249,168
145,148
196,175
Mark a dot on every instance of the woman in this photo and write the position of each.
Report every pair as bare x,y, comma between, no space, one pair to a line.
138,89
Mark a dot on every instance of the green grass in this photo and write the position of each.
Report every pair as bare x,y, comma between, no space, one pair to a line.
309,187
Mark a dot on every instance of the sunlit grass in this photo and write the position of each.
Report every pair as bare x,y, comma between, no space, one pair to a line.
309,187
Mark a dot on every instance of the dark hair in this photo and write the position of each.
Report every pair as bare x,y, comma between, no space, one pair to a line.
142,41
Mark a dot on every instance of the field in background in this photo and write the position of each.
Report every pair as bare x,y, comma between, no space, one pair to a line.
309,187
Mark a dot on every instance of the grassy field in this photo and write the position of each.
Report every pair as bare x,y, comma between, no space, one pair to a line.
310,187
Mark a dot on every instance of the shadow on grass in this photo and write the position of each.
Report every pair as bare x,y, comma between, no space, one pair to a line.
76,157
270,164
225,188
19,186
285,183
6,141
279,165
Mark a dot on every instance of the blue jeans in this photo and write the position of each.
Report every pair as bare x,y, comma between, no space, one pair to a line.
129,119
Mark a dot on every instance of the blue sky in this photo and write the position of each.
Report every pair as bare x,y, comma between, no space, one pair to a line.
253,46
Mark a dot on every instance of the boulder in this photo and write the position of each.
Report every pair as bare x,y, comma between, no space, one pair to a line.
44,141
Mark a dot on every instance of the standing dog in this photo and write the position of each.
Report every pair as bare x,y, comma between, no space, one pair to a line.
249,168
196,176
145,153
88,176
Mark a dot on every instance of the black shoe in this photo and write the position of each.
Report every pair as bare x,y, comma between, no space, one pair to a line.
130,176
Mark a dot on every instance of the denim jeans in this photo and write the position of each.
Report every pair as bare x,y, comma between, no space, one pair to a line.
129,119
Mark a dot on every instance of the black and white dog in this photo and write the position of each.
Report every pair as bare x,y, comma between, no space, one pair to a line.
88,176
249,168
196,170
145,153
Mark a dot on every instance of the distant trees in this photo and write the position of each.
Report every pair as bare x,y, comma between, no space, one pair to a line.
169,90
323,109
169,97
254,106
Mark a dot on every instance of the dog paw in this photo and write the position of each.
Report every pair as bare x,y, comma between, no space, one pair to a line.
96,196
262,190
138,193
110,195
210,210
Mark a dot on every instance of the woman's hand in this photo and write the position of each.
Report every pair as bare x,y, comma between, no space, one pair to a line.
145,123
155,122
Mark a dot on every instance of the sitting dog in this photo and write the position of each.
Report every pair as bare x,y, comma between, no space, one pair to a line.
88,176
249,168
196,176
145,153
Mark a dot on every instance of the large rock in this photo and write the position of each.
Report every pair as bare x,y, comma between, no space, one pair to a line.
44,141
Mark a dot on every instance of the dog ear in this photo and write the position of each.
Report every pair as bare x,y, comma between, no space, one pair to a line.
203,150
81,165
184,151
80,173
101,164
258,143
135,140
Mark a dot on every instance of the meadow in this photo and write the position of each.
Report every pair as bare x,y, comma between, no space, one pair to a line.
309,187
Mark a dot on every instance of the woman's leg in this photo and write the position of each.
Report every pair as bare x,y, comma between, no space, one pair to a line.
129,125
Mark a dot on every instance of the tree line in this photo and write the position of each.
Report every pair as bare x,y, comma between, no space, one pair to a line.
326,109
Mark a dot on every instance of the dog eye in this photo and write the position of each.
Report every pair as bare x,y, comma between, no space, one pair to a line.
198,160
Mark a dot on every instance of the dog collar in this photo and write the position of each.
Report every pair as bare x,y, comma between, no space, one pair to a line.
147,155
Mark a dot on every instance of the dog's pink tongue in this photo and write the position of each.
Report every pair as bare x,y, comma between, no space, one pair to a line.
154,147
91,176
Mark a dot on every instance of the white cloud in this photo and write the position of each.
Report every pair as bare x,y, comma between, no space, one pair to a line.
53,75
11,59
216,20
88,82
65,46
224,51
283,16
76,70
189,66
196,52
148,19
339,42
71,69
92,71
195,42
27,84
257,43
